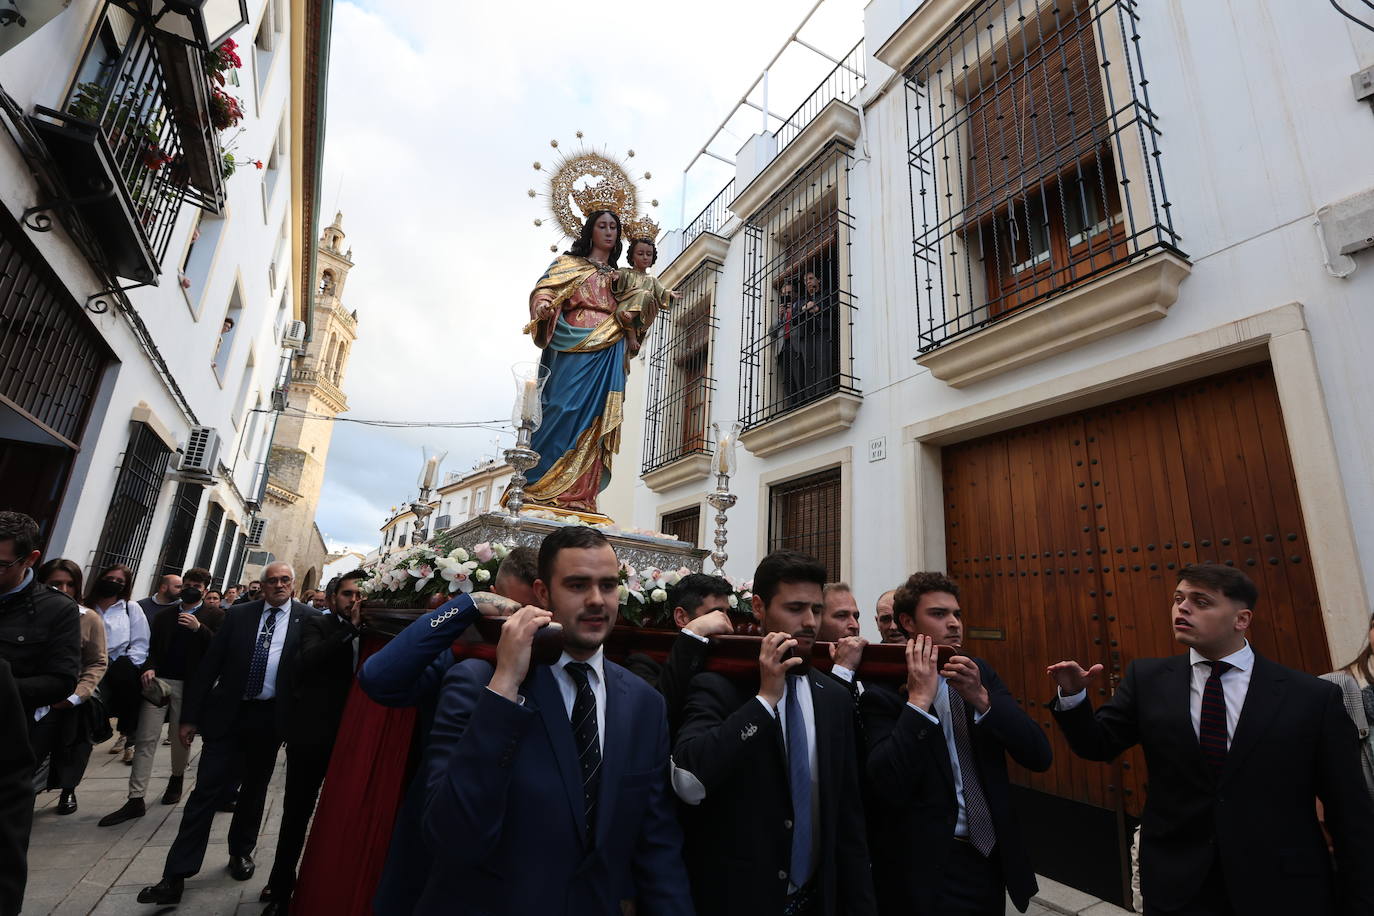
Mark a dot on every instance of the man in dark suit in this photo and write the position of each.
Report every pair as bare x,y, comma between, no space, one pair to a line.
40,629
701,610
239,700
771,761
943,835
548,784
16,794
1239,749
324,674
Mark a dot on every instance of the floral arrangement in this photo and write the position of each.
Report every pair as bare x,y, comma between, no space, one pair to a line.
225,110
223,59
411,577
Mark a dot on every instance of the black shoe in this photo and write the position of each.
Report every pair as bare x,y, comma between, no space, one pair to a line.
173,793
166,891
132,808
241,867
66,804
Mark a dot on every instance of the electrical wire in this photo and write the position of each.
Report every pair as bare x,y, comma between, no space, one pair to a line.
497,425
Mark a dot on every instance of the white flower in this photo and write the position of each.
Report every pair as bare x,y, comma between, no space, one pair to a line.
672,578
482,575
455,574
628,570
624,595
501,551
458,554
734,602
423,574
658,596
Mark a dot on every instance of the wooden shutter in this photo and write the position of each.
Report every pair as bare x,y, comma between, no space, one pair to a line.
1038,116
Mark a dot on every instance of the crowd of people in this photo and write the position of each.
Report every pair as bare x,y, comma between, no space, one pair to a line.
552,780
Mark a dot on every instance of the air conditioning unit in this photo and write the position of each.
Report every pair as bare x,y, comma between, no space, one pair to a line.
201,452
256,529
294,336
279,399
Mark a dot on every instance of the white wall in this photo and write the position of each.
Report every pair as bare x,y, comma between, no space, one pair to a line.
1259,130
185,328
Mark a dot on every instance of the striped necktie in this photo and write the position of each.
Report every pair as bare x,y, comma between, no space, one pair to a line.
588,744
1211,730
981,832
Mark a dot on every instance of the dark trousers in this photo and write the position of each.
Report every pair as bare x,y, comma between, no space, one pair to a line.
971,885
1211,899
246,755
305,768
62,738
45,736
123,692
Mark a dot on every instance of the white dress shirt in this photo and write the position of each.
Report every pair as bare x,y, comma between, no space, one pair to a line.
126,632
567,687
942,717
1235,684
269,680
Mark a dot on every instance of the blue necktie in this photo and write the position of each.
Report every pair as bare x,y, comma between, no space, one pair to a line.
799,778
257,667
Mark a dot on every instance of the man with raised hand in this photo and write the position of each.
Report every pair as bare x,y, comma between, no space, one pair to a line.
1239,750
548,784
771,763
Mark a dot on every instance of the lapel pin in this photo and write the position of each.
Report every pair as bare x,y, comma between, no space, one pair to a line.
748,731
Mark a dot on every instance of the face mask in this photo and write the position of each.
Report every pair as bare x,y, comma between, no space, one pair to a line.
190,595
107,588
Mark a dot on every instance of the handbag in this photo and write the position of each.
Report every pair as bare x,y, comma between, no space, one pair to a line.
96,719
157,692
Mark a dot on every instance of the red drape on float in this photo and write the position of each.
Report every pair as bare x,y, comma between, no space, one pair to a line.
357,809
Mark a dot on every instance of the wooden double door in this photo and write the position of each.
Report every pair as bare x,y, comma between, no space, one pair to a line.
1066,537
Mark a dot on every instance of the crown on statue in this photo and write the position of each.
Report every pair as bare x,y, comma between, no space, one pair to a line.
641,227
604,195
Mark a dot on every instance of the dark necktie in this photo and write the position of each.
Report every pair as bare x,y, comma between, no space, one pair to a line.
977,818
1211,730
799,780
257,667
585,735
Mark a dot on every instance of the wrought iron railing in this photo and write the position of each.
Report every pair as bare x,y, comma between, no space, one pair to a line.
842,83
680,381
226,544
805,515
180,526
1034,160
712,217
798,310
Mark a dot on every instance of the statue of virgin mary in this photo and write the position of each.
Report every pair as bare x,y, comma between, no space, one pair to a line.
583,311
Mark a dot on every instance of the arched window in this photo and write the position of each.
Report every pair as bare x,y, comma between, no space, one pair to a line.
327,281
328,358
340,360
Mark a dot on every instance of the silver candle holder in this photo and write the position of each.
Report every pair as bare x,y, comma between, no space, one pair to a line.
428,480
723,463
526,416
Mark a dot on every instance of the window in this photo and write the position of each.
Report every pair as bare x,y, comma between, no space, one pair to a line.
213,517
194,274
130,516
273,167
226,544
185,508
265,45
1034,163
804,515
463,506
480,501
684,524
680,382
224,343
797,304
241,400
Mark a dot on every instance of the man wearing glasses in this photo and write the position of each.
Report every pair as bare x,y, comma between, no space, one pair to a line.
238,700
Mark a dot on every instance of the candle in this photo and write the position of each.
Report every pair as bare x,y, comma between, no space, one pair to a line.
529,400
431,471
723,455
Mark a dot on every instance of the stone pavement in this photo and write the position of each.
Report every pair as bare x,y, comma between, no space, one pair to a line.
78,868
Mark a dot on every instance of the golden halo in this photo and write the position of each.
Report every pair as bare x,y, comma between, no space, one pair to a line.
609,188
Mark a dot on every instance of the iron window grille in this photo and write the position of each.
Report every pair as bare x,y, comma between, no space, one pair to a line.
804,515
240,548
798,311
214,516
680,382
226,544
135,497
51,360
185,508
1034,159
684,524
842,83
712,217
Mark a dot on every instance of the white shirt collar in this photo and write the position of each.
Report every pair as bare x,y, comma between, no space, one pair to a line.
597,662
1243,658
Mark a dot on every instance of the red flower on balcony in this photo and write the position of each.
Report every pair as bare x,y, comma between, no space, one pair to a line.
221,60
225,110
154,158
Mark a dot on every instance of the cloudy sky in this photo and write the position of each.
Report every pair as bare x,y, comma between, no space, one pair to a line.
437,111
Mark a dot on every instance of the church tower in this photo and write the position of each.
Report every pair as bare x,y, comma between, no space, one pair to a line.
300,445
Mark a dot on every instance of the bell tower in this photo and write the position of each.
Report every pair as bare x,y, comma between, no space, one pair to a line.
314,395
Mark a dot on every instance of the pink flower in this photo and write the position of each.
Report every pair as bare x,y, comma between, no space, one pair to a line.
483,552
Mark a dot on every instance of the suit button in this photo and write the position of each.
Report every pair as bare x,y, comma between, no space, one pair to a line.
782,875
787,825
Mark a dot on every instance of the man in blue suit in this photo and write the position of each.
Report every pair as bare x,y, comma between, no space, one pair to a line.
407,672
548,790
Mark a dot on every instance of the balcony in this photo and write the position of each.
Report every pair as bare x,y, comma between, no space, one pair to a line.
135,141
443,523
1040,216
841,84
713,216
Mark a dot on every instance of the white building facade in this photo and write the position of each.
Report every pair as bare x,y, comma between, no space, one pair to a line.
1081,317
155,251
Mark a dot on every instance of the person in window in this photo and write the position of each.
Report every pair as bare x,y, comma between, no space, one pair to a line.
819,323
71,745
787,339
126,647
